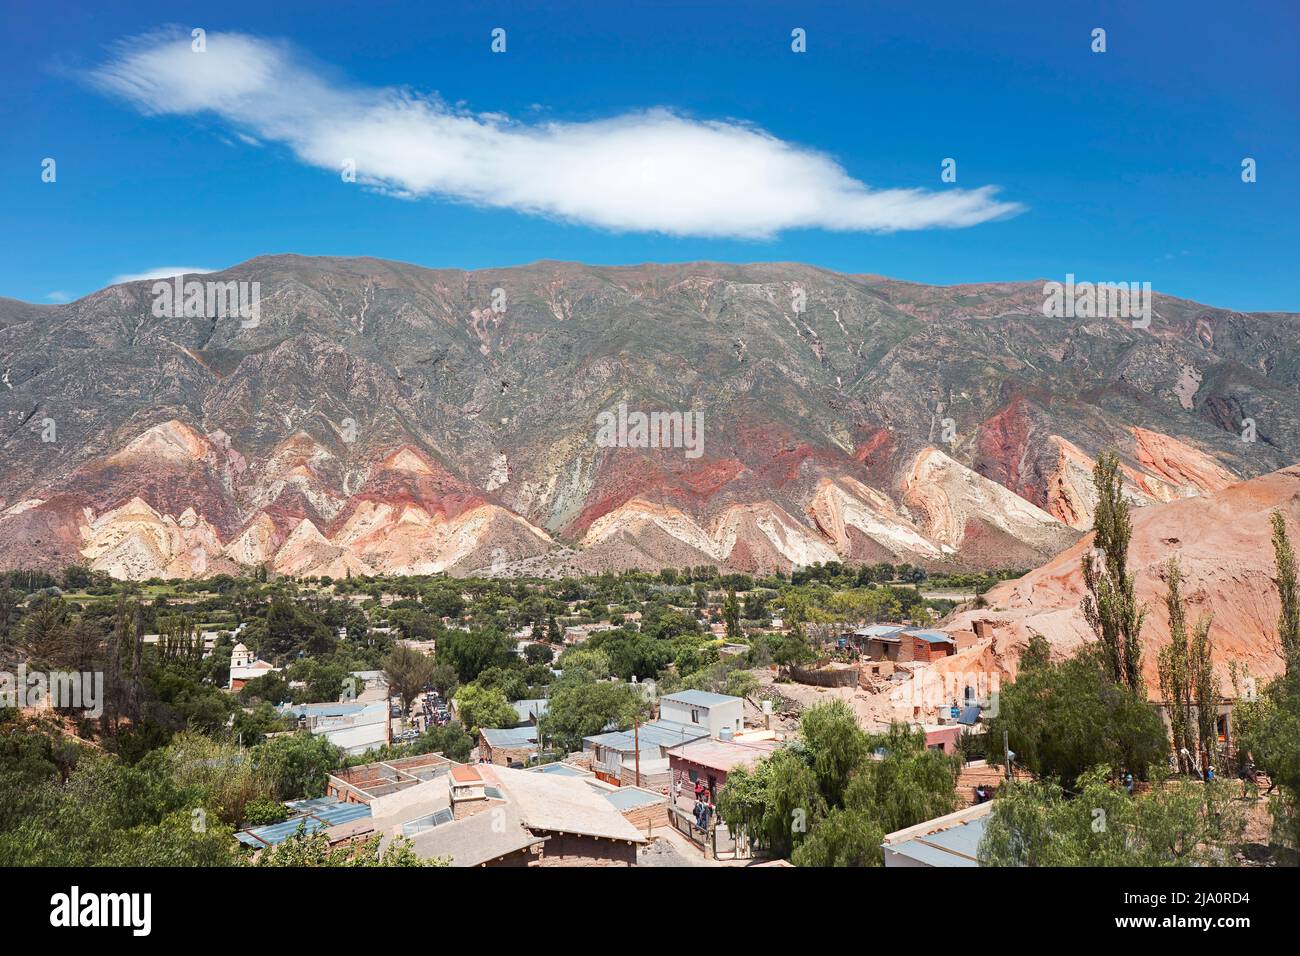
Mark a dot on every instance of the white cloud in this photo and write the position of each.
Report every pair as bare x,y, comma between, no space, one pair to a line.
651,171
161,272
59,297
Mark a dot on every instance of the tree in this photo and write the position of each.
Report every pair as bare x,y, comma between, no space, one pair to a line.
480,707
731,615
449,739
1288,622
291,627
1187,682
773,804
298,765
407,672
443,679
1179,822
313,850
579,708
792,648
1268,728
1064,718
843,838
221,777
471,652
835,745
538,654
741,683
1110,606
908,784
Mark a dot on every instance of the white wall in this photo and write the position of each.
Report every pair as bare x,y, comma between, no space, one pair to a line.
728,714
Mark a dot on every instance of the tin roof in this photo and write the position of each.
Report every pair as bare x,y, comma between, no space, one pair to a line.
528,709
950,840
309,815
879,630
653,736
509,736
930,637
699,698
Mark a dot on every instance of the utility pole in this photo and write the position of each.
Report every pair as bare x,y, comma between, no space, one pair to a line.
636,742
1006,749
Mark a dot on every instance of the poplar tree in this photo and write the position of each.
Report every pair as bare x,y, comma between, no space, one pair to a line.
731,614
1186,673
1110,606
1288,622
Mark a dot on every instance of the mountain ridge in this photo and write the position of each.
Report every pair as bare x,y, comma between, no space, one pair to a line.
812,386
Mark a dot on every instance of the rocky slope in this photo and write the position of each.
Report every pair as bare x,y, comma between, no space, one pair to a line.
385,417
1222,541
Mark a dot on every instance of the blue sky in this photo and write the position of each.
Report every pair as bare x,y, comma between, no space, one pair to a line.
1120,166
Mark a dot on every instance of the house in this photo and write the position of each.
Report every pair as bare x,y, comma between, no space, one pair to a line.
719,714
951,840
1222,726
709,761
508,745
902,644
356,726
328,815
879,642
638,757
532,710
244,666
577,633
928,645
486,815
942,737
372,781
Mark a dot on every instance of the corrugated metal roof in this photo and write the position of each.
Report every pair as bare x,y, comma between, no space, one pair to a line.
878,630
653,736
321,817
724,755
533,707
931,637
342,813
509,736
956,846
310,815
700,698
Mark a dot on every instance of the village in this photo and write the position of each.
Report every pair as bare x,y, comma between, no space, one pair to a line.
646,792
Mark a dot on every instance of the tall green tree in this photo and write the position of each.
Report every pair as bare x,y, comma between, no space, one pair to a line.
1288,622
731,615
1062,718
1187,681
407,671
1110,605
835,745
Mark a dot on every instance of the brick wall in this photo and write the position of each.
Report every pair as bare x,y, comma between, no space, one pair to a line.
644,818
504,756
571,850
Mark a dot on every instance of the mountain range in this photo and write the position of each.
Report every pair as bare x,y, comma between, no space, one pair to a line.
384,417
